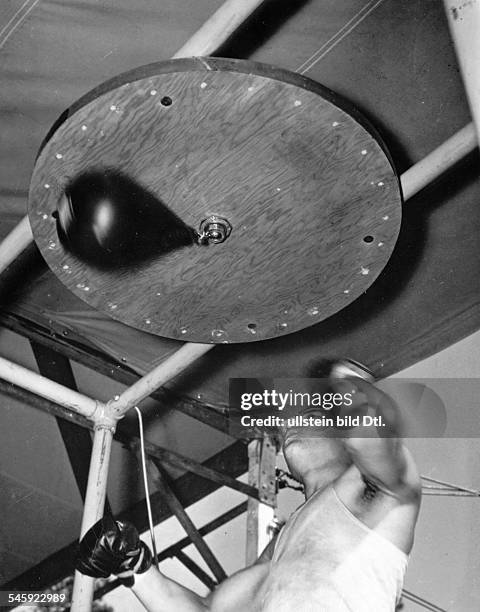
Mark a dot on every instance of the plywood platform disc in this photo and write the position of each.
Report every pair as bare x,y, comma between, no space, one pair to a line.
306,185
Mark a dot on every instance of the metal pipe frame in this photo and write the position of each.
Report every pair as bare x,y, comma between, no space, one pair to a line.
82,595
206,40
15,243
438,161
117,371
31,381
105,421
218,29
464,23
168,369
190,489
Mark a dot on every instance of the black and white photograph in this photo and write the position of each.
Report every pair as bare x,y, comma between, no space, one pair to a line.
239,312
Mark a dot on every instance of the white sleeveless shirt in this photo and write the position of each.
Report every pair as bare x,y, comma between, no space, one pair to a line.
327,560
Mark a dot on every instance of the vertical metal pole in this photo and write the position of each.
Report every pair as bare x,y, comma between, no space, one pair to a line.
261,475
464,22
251,548
94,504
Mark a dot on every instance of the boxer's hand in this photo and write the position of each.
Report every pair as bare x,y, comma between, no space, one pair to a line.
113,547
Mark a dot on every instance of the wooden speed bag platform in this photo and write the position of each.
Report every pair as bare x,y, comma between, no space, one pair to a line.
304,183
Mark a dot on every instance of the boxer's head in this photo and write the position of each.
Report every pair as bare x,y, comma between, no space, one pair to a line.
314,455
313,458
309,451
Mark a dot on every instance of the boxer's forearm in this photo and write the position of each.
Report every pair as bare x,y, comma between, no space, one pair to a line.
376,448
160,594
386,463
380,460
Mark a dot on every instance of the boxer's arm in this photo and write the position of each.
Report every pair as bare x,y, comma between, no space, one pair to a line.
114,547
382,488
382,460
161,594
387,465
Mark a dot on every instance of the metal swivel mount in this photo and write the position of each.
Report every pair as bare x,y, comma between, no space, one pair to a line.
214,230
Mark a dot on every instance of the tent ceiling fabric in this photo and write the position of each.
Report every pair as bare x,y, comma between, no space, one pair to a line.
393,60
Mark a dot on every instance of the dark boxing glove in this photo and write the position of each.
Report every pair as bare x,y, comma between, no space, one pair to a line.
113,547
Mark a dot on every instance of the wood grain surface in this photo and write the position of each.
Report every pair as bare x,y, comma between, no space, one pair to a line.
307,186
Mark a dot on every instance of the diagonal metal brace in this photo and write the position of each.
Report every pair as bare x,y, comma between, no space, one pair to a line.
196,570
186,522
